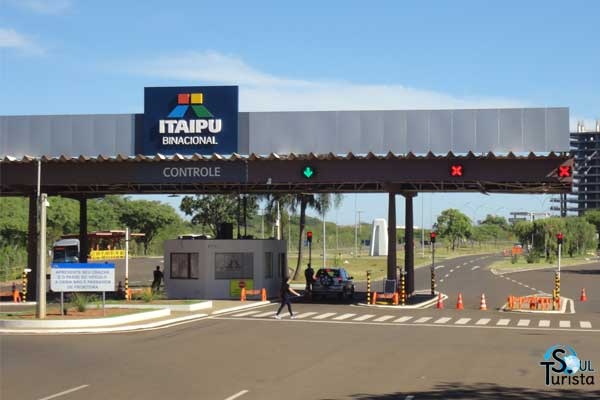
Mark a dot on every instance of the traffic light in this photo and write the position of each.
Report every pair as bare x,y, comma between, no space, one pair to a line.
432,236
308,172
309,237
564,171
456,170
559,238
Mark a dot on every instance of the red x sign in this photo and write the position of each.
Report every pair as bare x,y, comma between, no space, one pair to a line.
564,171
456,170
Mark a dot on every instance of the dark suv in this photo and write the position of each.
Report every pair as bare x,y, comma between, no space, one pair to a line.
333,281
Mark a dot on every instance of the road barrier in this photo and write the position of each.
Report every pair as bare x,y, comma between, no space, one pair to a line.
459,302
583,295
482,305
256,292
385,296
440,302
532,303
368,287
24,285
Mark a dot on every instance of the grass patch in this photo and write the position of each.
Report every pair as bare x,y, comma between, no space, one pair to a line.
507,264
53,312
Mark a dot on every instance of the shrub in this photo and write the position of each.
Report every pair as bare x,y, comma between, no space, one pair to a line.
148,295
514,259
533,257
82,301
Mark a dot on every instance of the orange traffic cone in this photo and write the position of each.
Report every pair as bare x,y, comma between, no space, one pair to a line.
459,303
482,305
440,302
583,295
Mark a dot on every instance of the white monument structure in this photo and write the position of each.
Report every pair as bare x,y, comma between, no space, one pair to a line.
379,238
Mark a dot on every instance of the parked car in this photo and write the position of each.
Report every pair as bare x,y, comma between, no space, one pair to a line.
333,281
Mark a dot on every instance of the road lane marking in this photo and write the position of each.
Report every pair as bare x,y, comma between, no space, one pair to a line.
65,392
503,322
409,397
245,314
422,320
523,322
585,324
451,270
403,319
462,321
447,275
344,316
458,267
440,266
441,280
326,315
442,320
384,318
564,324
545,323
264,314
363,317
475,267
306,314
238,394
482,321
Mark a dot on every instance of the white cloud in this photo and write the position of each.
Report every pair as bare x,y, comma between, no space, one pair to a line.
44,6
11,39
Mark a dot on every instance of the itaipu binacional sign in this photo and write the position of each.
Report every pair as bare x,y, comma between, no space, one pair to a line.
188,120
74,277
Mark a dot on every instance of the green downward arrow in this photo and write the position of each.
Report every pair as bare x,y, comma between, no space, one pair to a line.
308,172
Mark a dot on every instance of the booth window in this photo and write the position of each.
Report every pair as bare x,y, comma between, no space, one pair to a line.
234,265
268,265
184,265
282,266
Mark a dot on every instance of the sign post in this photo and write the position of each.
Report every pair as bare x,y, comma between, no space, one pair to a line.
127,263
309,240
432,237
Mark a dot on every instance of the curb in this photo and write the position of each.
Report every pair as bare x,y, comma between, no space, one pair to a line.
243,307
173,307
563,308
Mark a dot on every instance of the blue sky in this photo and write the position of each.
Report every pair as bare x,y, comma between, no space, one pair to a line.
71,57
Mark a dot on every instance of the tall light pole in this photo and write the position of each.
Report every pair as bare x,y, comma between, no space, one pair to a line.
357,233
42,202
422,227
324,242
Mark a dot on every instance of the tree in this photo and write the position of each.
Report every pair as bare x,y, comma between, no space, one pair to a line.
593,217
497,220
486,232
523,231
453,225
148,217
211,210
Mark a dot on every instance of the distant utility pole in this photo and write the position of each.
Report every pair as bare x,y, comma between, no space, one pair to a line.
358,233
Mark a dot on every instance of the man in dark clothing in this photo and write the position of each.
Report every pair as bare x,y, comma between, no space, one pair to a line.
285,293
309,275
158,277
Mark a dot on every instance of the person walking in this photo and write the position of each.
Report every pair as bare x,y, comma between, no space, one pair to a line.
309,275
285,292
158,277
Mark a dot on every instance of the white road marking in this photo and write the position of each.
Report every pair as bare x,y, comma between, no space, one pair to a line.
442,320
344,316
264,314
409,397
363,317
545,323
447,275
245,314
564,324
523,322
440,266
451,270
475,267
585,324
65,392
384,318
458,266
503,322
422,320
442,280
482,321
462,321
326,315
402,319
238,394
306,314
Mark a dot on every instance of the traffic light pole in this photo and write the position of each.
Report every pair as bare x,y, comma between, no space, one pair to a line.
433,268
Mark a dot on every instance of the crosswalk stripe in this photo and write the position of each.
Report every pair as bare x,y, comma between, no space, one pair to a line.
264,314
585,324
474,268
523,322
326,315
442,320
462,321
344,316
363,317
304,315
403,319
503,322
545,323
422,319
564,324
384,318
245,314
482,321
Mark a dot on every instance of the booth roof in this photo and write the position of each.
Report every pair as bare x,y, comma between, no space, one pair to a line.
275,156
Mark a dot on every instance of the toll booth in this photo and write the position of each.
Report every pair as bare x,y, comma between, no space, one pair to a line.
219,268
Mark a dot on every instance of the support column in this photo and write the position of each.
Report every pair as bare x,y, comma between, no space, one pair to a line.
83,236
391,258
32,249
409,249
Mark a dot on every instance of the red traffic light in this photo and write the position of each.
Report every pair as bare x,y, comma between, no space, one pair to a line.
432,236
309,236
456,170
559,236
564,171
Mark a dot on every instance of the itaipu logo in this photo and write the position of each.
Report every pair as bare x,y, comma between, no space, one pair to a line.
188,119
564,367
